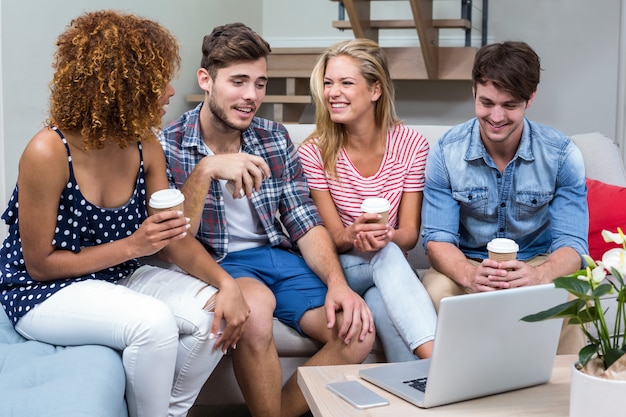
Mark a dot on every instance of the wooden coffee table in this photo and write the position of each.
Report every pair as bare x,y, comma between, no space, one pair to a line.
551,399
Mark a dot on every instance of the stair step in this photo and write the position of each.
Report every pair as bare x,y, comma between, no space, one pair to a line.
405,63
407,24
292,62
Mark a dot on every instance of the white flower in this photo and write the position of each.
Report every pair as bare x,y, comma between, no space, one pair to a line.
615,258
613,237
598,274
594,271
608,343
589,261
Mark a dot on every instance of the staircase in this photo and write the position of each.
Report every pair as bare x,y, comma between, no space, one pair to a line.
433,62
290,68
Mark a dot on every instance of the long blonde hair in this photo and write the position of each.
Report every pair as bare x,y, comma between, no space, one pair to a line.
373,65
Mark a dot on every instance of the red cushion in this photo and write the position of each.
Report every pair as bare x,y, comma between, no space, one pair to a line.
606,211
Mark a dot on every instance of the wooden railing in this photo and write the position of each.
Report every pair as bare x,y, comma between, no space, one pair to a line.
292,66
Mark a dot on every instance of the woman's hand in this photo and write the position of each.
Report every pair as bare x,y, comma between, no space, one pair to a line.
158,231
369,237
230,306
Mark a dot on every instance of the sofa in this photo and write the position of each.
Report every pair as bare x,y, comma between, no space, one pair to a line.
41,380
602,162
38,379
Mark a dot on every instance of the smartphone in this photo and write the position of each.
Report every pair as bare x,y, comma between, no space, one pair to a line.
357,394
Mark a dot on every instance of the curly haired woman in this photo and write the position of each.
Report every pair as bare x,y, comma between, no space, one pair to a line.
70,274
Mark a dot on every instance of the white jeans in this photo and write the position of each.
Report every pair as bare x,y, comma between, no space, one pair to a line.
155,317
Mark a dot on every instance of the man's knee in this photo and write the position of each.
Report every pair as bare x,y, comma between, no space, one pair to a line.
440,286
258,330
315,325
258,296
357,350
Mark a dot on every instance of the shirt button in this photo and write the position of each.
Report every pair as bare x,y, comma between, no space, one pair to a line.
501,229
502,204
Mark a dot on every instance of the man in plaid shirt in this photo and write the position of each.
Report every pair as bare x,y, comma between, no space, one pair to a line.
238,173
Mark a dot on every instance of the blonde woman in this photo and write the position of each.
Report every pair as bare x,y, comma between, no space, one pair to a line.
360,149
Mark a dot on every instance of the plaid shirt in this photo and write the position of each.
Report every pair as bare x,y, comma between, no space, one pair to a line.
285,192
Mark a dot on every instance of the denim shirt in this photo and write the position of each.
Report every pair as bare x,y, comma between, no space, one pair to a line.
540,200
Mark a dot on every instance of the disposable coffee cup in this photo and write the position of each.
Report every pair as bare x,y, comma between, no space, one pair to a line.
168,199
377,205
501,249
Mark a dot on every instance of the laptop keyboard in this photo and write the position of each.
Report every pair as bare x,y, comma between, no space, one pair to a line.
419,383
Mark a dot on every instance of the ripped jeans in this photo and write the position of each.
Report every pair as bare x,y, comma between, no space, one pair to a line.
155,317
403,311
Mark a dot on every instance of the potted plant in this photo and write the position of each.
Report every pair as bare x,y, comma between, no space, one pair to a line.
601,363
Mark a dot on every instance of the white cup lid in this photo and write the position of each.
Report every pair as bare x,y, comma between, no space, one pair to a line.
375,205
502,245
166,198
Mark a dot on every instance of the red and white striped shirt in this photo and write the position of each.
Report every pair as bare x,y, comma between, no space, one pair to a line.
402,170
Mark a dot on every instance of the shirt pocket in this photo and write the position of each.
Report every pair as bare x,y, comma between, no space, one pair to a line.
473,202
530,203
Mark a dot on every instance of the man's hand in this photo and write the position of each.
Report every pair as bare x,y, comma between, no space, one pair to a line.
357,317
512,274
244,170
492,275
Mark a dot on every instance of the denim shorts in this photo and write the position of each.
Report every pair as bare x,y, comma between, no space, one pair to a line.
296,288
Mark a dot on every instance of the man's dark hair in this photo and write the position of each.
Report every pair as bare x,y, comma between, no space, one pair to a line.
511,66
231,43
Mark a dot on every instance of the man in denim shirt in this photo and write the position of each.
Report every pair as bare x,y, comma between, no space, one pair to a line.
500,175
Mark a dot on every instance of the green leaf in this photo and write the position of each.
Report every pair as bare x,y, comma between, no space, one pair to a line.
618,277
567,309
575,286
589,314
587,353
602,289
612,355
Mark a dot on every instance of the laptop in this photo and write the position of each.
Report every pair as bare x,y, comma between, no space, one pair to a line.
481,348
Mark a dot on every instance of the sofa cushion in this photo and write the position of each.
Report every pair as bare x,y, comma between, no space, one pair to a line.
7,332
606,211
38,379
602,157
290,343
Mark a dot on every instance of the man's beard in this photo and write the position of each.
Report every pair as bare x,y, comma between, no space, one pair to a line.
219,115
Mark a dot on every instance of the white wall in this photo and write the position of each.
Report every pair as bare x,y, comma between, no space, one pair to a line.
621,83
29,28
578,41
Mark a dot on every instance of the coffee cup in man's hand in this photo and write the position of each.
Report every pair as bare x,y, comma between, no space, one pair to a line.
501,249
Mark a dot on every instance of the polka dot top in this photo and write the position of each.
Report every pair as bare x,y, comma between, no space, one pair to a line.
79,224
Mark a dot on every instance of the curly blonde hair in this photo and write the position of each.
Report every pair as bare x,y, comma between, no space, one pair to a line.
373,64
111,69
